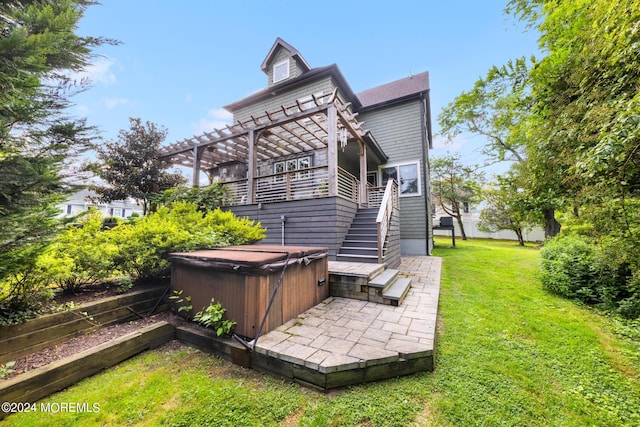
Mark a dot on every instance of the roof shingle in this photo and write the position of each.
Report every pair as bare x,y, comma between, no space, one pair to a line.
395,90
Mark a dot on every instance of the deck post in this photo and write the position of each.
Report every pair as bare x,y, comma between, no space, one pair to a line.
363,175
332,149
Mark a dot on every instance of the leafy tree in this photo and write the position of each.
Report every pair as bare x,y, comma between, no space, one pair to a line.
494,108
508,207
453,184
39,54
131,166
499,108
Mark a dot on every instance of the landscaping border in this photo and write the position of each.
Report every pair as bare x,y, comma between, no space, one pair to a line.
41,382
50,329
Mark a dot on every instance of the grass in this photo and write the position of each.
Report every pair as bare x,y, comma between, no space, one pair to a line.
509,353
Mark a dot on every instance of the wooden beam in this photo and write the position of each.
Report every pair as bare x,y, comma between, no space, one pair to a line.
332,142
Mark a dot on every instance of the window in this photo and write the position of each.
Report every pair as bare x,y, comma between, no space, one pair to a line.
281,71
406,174
292,165
304,163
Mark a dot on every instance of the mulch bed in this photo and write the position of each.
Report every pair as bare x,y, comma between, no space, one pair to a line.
77,344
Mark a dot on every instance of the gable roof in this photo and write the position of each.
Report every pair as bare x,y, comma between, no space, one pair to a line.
295,54
312,75
396,91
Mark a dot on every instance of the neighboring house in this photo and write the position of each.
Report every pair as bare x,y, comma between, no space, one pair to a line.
320,165
83,200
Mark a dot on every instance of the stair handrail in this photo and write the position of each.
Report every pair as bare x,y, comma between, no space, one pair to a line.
389,201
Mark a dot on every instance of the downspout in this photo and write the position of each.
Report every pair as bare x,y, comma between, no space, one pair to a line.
425,126
283,219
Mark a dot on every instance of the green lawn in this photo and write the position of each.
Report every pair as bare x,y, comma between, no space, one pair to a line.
509,353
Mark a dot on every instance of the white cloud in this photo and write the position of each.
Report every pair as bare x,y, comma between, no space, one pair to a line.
215,118
456,144
100,71
112,103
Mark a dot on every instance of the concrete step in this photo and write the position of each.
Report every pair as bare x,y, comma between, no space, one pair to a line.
384,279
397,291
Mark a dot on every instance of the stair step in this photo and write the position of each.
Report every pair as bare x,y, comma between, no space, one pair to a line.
384,279
362,236
348,243
357,258
398,290
358,251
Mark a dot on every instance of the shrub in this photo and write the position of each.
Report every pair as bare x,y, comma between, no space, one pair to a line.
206,198
24,292
144,245
574,267
81,255
569,268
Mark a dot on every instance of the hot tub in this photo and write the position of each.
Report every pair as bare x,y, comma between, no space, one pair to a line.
243,280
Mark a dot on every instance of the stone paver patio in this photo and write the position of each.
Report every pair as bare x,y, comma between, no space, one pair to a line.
362,339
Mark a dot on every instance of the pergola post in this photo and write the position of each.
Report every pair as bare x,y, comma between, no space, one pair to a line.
196,166
251,166
332,149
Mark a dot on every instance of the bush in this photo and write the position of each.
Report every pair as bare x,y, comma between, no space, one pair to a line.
569,268
574,267
25,291
144,245
81,255
206,198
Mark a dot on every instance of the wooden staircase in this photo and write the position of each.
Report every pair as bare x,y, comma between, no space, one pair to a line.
361,242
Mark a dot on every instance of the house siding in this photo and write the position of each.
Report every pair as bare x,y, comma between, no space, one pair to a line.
324,86
321,222
294,67
398,130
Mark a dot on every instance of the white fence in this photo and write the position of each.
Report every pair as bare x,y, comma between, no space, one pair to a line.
470,225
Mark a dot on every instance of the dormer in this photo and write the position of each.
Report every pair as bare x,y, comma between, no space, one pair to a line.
283,62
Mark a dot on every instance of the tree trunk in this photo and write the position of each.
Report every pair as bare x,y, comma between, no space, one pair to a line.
520,238
458,217
551,227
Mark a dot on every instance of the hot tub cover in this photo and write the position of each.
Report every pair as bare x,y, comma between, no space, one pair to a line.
249,259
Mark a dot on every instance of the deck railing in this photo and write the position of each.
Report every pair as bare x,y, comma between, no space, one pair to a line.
309,183
390,200
301,184
348,186
374,196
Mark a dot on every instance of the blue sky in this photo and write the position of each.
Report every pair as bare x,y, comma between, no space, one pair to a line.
180,62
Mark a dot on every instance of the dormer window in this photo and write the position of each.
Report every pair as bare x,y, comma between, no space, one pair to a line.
281,71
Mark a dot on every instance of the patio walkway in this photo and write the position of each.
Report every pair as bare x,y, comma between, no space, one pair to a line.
344,341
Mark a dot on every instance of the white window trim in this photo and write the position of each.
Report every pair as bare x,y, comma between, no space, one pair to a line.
278,64
397,166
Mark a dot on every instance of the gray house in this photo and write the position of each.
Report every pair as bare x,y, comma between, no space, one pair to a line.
318,164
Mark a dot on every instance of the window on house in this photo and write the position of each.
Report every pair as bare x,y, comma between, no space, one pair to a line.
465,207
281,71
406,174
68,209
292,165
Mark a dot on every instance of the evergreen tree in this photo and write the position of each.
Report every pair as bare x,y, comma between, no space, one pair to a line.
39,54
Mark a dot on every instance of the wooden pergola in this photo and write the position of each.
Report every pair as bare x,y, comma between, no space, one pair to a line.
322,123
